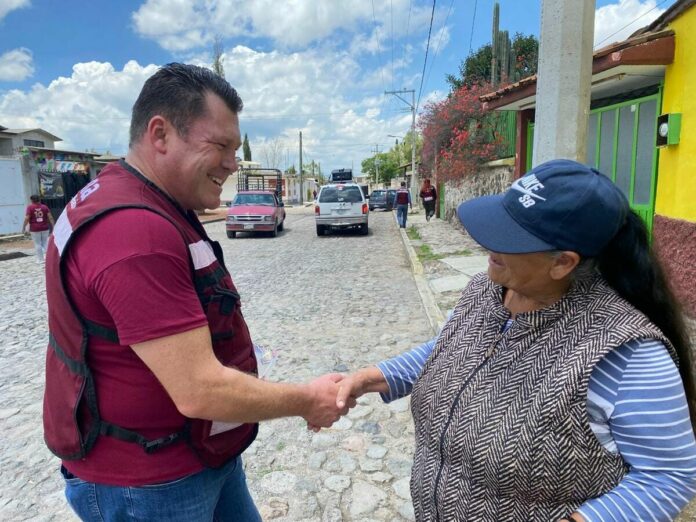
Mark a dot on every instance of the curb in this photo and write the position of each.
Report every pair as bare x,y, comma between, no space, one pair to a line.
435,316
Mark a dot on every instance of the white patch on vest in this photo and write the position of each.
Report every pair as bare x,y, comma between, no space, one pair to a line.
220,427
62,232
202,254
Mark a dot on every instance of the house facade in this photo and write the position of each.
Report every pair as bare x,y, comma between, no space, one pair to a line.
641,133
30,164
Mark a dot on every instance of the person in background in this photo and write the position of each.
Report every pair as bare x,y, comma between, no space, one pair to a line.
40,221
314,194
402,202
151,390
560,388
429,196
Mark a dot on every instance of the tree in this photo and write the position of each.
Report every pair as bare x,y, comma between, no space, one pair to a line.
217,56
475,69
272,153
246,149
457,140
388,166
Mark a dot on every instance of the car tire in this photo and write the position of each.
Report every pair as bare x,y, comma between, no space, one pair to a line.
274,232
320,230
281,226
231,235
372,208
363,229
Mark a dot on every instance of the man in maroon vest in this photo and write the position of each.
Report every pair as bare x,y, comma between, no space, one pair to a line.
150,370
402,202
38,217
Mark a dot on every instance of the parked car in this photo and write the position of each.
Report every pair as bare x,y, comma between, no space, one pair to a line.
255,211
341,206
391,198
378,199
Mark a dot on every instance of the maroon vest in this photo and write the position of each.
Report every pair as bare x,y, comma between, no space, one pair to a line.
71,418
402,197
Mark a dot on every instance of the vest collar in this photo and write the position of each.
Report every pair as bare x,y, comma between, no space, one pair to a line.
535,319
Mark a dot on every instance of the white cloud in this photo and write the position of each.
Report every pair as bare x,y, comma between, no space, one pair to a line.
319,93
186,24
16,65
89,109
616,22
10,5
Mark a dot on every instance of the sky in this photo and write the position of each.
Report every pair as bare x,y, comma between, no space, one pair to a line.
74,68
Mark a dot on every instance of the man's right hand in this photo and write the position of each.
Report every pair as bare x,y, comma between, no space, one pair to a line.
322,410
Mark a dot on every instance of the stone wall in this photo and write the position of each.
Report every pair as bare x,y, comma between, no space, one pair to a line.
493,178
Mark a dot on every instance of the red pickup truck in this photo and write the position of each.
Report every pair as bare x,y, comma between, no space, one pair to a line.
255,211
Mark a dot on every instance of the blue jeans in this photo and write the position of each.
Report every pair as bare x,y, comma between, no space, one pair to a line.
210,495
401,213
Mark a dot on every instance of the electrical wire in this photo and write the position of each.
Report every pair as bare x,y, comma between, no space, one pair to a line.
427,48
629,24
437,49
473,21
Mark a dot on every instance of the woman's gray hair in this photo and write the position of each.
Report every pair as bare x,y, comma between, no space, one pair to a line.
587,267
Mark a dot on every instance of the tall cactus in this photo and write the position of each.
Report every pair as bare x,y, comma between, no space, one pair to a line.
502,60
494,44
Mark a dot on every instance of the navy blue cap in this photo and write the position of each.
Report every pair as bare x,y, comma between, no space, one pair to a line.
558,205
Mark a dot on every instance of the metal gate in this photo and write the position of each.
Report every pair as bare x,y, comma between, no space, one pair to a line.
621,144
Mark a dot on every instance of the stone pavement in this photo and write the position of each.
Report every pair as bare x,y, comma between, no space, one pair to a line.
444,258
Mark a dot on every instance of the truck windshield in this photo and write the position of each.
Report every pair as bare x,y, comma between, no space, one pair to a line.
253,199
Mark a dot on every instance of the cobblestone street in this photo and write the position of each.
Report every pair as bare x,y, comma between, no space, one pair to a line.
332,303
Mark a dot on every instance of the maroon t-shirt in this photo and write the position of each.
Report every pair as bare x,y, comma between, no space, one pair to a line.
129,271
38,217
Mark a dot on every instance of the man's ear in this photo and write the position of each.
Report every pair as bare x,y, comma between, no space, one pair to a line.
158,133
564,264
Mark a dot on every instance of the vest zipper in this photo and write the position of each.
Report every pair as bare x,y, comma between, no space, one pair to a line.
489,352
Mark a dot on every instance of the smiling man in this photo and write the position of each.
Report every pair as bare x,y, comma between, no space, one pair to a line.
151,389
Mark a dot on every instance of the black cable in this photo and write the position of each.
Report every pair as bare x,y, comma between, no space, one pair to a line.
427,47
630,23
473,20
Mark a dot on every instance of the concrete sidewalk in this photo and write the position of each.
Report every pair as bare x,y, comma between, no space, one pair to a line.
444,258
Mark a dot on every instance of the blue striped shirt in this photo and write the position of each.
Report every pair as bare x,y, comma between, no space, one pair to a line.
637,407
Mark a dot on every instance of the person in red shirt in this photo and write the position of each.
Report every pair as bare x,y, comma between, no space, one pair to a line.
429,196
38,217
127,272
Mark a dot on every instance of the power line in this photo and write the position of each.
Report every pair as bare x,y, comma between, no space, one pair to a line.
629,23
379,47
427,48
473,21
437,49
391,16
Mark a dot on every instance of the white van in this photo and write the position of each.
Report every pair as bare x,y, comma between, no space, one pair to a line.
341,205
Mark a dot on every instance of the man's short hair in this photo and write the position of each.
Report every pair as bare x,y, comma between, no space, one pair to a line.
34,198
403,183
177,92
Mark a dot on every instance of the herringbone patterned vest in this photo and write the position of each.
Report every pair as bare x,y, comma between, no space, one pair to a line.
501,421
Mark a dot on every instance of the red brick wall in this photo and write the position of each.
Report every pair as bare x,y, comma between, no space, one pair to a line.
675,243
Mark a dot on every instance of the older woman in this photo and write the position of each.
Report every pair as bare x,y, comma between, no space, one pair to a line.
553,391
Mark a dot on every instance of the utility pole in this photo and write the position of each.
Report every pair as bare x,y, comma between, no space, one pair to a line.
376,151
301,196
564,80
412,106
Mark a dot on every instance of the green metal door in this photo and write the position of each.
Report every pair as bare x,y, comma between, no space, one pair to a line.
621,144
441,200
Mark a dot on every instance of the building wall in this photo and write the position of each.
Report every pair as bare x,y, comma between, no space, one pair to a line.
674,229
12,196
491,179
18,140
676,185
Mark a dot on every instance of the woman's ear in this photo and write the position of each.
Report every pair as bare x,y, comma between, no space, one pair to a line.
563,264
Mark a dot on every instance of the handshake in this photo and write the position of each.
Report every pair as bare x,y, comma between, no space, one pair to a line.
334,394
